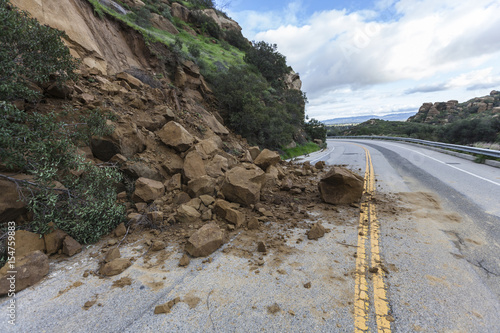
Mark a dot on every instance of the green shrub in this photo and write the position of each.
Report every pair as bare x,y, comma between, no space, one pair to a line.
39,145
236,39
194,49
143,18
206,24
315,130
29,52
269,62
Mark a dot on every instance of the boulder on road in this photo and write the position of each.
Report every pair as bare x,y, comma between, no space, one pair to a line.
316,231
224,210
115,267
341,186
205,241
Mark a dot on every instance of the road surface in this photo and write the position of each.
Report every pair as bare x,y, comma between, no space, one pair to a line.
421,254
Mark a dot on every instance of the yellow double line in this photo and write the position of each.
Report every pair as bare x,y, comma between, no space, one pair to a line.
369,230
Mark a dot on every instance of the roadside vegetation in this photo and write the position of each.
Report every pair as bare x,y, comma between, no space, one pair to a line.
300,150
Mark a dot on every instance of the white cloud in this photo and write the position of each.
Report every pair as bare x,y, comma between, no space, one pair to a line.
406,41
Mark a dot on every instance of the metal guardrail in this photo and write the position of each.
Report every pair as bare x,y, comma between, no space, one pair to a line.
464,149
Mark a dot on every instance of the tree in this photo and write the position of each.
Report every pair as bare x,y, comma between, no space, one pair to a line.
29,52
315,130
269,62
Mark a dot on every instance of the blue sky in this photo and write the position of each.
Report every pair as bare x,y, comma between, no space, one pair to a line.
382,56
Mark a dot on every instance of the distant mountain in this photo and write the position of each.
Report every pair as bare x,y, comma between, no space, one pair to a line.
360,119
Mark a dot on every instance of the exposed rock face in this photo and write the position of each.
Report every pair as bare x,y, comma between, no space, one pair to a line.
243,185
292,81
341,186
30,269
147,190
222,22
224,210
104,44
267,158
162,23
180,11
175,135
205,241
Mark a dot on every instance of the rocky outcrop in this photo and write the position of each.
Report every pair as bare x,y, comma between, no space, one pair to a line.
341,186
292,81
223,22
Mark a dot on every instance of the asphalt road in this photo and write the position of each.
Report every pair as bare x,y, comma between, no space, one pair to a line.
448,251
438,242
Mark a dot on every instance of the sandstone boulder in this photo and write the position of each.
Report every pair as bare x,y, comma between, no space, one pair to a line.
341,186
207,147
29,270
200,186
120,230
54,241
193,166
172,162
180,11
205,241
162,23
115,267
243,185
175,183
147,190
176,136
158,245
112,255
131,80
71,246
267,158
320,165
27,242
254,152
187,214
224,210
217,166
317,231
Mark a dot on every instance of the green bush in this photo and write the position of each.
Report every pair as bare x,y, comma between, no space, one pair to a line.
315,130
206,24
269,62
143,18
29,52
194,50
236,39
39,145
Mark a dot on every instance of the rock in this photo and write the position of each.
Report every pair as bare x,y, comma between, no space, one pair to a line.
254,152
59,90
181,198
71,246
193,166
147,190
158,246
164,308
267,158
141,170
112,255
185,260
162,23
223,22
115,267
253,224
10,205
224,210
175,183
203,185
131,80
307,285
54,241
207,215
27,242
180,11
286,184
29,269
316,231
187,214
207,200
341,186
207,147
120,230
126,140
261,247
175,136
217,166
205,241
155,216
320,165
243,185
172,163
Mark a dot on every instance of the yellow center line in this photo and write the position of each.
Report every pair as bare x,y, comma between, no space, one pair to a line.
369,225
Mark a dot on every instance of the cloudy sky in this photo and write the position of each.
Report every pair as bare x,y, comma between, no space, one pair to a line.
380,56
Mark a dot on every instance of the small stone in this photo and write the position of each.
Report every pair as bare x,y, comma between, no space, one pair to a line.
163,308
273,309
158,246
185,260
307,285
71,246
120,230
261,247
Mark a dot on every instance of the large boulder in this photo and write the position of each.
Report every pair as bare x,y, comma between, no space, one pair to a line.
54,241
341,186
29,270
267,158
317,231
162,23
254,152
172,162
180,11
205,241
217,166
207,147
200,186
224,210
71,246
176,136
243,185
187,214
126,140
147,190
193,166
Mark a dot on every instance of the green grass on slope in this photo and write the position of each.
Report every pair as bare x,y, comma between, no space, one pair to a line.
307,148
